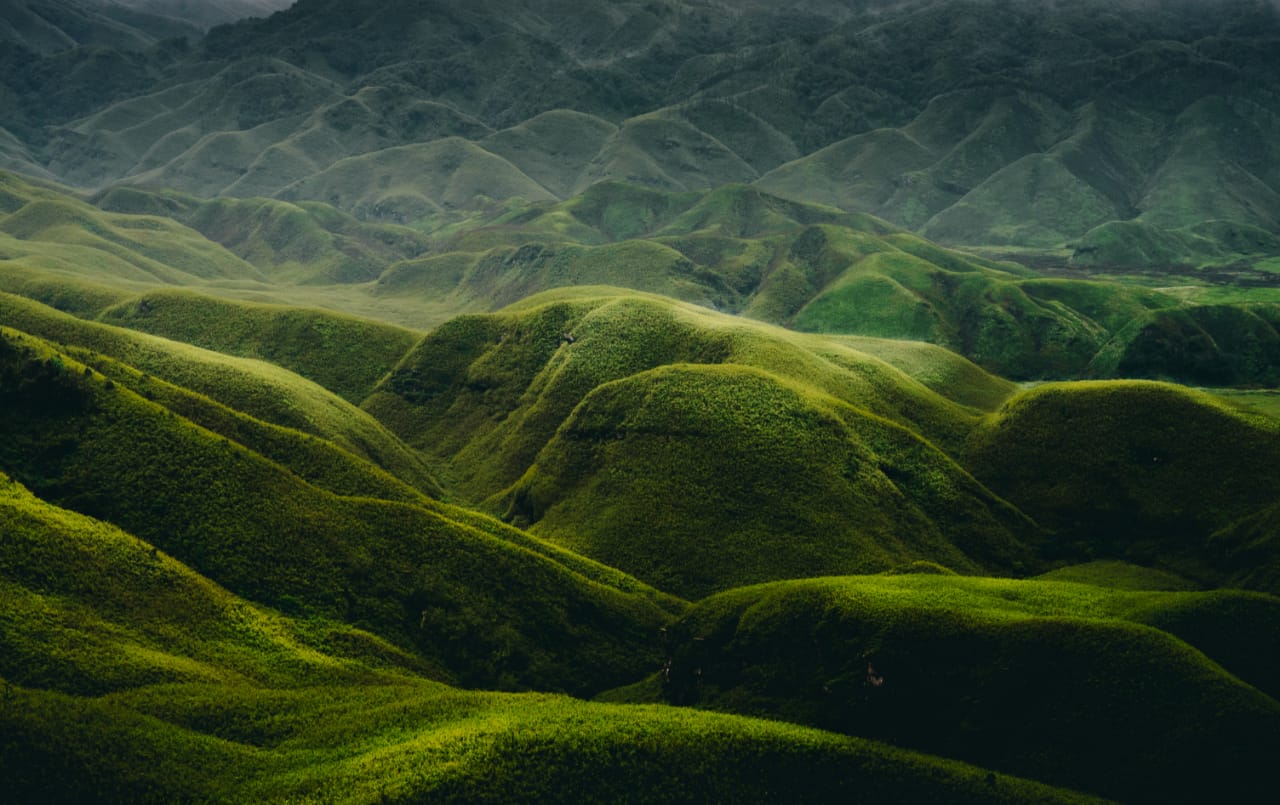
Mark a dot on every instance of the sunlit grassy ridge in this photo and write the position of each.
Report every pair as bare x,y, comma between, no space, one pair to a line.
345,355
413,741
486,608
1063,682
260,389
89,609
701,478
127,677
680,444
735,249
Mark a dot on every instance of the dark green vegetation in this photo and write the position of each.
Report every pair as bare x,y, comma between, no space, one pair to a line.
1068,683
380,381
1119,133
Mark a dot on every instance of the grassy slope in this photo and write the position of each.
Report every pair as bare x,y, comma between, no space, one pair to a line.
410,742
701,478
491,611
1064,682
344,354
289,243
39,219
264,391
506,399
1120,468
490,391
127,677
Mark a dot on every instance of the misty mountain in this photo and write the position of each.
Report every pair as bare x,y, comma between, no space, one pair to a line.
982,122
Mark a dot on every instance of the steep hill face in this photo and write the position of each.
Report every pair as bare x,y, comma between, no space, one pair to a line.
988,122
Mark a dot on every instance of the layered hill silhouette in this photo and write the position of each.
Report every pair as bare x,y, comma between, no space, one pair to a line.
1121,133
736,249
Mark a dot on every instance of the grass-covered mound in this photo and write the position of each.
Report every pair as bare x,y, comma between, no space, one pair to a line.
127,677
492,611
88,609
48,226
701,478
409,741
488,392
1138,469
266,392
1061,682
344,354
1211,345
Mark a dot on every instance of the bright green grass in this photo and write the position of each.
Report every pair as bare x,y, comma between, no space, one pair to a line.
942,371
492,611
345,355
485,394
264,391
88,609
414,742
1087,687
701,478
127,677
1119,575
1258,401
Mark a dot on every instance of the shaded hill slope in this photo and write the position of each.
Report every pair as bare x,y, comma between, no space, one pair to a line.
405,570
128,677
1028,677
1122,468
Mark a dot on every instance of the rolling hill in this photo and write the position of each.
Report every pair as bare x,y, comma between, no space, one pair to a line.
639,400
967,122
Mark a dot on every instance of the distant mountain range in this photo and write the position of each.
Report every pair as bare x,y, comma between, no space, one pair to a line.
1129,133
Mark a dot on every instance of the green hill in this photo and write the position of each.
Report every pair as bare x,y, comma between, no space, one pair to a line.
701,478
1120,469
969,122
1063,682
345,355
610,411
138,680
481,606
264,391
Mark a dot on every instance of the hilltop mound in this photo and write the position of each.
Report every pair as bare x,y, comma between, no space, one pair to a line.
1120,468
346,355
550,396
406,571
700,478
1029,678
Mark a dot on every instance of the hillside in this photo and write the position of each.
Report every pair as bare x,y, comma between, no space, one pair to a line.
734,249
201,694
639,401
1066,682
967,122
